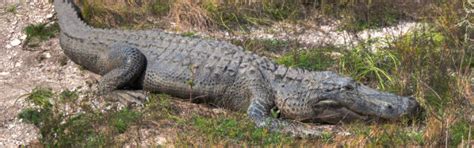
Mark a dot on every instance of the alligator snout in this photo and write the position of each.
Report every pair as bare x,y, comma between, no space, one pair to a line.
402,106
413,106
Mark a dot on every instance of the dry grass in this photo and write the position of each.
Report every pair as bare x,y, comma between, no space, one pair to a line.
188,14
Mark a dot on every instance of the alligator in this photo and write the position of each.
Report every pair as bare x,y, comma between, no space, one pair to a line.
222,75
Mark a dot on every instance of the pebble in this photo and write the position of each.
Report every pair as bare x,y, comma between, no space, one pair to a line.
15,42
49,16
160,140
47,55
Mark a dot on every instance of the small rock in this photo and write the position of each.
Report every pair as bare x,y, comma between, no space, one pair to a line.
15,42
47,55
49,16
8,46
160,140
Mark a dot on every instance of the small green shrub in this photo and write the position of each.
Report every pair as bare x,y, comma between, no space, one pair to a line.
41,97
36,33
123,118
31,115
78,130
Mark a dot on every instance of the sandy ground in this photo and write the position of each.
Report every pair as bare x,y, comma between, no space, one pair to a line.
22,69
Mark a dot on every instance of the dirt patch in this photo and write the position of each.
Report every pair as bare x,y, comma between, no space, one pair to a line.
22,69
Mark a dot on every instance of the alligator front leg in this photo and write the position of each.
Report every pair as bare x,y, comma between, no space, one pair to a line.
262,101
123,66
260,114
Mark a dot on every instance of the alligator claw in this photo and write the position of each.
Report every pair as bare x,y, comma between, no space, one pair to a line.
127,97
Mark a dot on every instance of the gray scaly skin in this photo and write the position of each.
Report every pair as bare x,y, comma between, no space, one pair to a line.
222,75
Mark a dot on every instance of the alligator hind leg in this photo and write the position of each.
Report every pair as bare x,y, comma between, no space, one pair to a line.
123,67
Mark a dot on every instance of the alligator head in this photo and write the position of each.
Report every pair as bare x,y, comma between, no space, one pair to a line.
333,98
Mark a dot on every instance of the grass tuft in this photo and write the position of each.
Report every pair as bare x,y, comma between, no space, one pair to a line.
313,59
41,97
36,33
123,118
236,130
367,66
459,132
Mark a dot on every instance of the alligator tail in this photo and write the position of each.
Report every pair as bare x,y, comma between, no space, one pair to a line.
69,19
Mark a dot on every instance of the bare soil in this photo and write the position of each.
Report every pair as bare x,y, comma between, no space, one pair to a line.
22,69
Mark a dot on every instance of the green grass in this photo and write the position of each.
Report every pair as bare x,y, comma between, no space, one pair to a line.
235,130
387,135
311,59
460,131
122,119
220,129
41,97
82,129
327,137
37,33
189,34
367,66
31,115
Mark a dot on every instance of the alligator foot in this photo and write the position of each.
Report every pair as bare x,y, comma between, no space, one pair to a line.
127,97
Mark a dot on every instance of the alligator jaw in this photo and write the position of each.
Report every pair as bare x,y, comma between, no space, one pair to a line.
333,112
367,101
